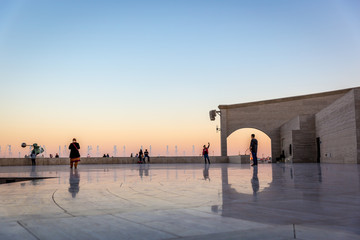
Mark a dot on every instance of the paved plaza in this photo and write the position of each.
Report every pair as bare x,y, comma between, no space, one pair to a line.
181,201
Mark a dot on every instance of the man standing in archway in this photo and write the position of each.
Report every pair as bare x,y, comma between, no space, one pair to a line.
253,149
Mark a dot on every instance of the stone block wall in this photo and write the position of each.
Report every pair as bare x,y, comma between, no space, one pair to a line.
239,159
336,127
269,116
300,133
304,140
286,136
357,119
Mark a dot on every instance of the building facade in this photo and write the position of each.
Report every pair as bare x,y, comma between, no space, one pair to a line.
323,127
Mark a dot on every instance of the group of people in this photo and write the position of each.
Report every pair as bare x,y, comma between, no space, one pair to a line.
253,150
142,156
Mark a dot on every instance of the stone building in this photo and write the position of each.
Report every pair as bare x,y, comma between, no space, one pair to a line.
322,127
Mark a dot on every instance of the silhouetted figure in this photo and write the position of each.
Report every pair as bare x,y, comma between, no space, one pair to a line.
74,153
146,155
140,156
253,149
206,153
33,157
56,155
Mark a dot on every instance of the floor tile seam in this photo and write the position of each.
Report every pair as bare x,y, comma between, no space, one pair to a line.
65,211
327,228
244,219
124,198
302,221
335,220
151,227
28,230
204,236
151,196
288,209
168,192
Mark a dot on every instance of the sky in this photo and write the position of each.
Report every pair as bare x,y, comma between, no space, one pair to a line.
146,73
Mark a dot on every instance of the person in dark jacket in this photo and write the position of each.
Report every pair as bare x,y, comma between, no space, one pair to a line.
74,153
140,156
146,155
33,157
253,149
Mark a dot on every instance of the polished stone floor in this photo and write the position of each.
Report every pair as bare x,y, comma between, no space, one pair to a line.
181,201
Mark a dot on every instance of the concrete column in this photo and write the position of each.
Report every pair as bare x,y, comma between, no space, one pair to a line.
223,132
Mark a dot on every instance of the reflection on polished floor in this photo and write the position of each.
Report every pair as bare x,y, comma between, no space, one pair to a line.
181,201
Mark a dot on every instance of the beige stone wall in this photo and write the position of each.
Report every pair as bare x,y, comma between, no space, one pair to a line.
286,136
239,159
304,140
300,133
269,116
336,127
357,117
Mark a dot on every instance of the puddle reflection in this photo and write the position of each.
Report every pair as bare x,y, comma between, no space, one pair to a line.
74,181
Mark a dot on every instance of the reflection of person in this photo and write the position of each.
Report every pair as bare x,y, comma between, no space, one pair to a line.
206,172
34,175
253,149
141,171
255,181
74,153
74,181
206,153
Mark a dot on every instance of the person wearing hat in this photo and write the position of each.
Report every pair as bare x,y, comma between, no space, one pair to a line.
74,153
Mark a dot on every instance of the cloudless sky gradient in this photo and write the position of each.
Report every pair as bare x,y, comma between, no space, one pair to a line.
141,73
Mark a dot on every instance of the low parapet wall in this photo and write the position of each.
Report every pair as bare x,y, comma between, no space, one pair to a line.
239,159
111,160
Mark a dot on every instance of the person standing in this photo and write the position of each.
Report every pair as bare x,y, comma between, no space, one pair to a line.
253,149
140,156
206,153
33,157
74,153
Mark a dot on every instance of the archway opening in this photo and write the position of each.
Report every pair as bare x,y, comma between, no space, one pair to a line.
238,143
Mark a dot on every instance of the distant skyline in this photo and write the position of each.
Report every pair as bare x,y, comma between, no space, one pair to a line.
141,73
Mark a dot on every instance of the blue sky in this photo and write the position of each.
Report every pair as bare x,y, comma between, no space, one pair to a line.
140,65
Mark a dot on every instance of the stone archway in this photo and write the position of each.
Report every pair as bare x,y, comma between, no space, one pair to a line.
238,142
276,118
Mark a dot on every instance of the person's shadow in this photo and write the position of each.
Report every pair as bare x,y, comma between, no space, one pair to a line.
74,181
255,182
206,172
